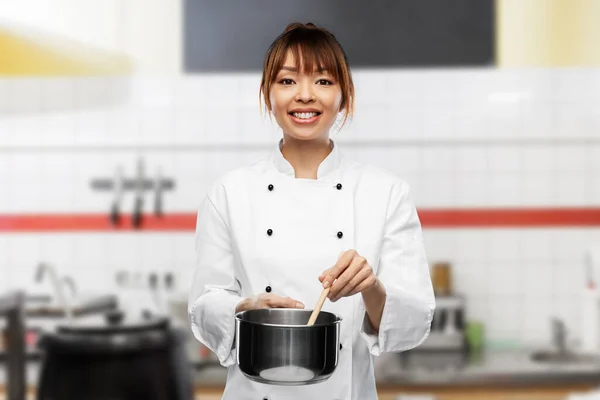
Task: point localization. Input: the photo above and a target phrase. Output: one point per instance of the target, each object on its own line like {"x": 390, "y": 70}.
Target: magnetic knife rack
{"x": 139, "y": 185}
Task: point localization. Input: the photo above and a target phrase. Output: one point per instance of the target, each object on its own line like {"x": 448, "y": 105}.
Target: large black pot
{"x": 118, "y": 360}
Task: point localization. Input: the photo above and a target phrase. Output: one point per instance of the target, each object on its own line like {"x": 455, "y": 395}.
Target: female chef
{"x": 276, "y": 232}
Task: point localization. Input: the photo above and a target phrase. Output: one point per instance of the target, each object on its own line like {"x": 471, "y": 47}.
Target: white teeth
{"x": 305, "y": 115}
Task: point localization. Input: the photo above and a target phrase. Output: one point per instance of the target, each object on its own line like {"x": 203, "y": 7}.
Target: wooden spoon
{"x": 315, "y": 313}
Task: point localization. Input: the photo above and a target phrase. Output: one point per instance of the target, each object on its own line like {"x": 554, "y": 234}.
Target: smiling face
{"x": 306, "y": 82}
{"x": 305, "y": 103}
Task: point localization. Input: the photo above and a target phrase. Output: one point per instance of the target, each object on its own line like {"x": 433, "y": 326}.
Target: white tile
{"x": 156, "y": 126}
{"x": 89, "y": 250}
{"x": 94, "y": 92}
{"x": 472, "y": 246}
{"x": 438, "y": 159}
{"x": 440, "y": 86}
{"x": 5, "y": 130}
{"x": 504, "y": 121}
{"x": 471, "y": 189}
{"x": 57, "y": 250}
{"x": 593, "y": 189}
{"x": 222, "y": 126}
{"x": 505, "y": 319}
{"x": 472, "y": 120}
{"x": 401, "y": 122}
{"x": 478, "y": 308}
{"x": 536, "y": 328}
{"x": 371, "y": 123}
{"x": 371, "y": 89}
{"x": 569, "y": 277}
{"x": 190, "y": 92}
{"x": 25, "y": 166}
{"x": 252, "y": 128}
{"x": 504, "y": 279}
{"x": 541, "y": 158}
{"x": 439, "y": 121}
{"x": 572, "y": 189}
{"x": 5, "y": 182}
{"x": 249, "y": 87}
{"x": 57, "y": 95}
{"x": 223, "y": 91}
{"x": 539, "y": 189}
{"x": 26, "y": 131}
{"x": 538, "y": 245}
{"x": 440, "y": 244}
{"x": 472, "y": 278}
{"x": 405, "y": 87}
{"x": 568, "y": 309}
{"x": 152, "y": 92}
{"x": 537, "y": 278}
{"x": 4, "y": 97}
{"x": 572, "y": 84}
{"x": 505, "y": 158}
{"x": 122, "y": 126}
{"x": 472, "y": 158}
{"x": 58, "y": 129}
{"x": 90, "y": 127}
{"x": 438, "y": 190}
{"x": 536, "y": 120}
{"x": 23, "y": 250}
{"x": 505, "y": 189}
{"x": 571, "y": 158}
{"x": 571, "y": 244}
{"x": 593, "y": 159}
{"x": 576, "y": 120}
{"x": 25, "y": 95}
{"x": 505, "y": 245}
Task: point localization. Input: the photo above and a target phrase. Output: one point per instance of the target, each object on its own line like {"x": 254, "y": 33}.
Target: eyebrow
{"x": 294, "y": 69}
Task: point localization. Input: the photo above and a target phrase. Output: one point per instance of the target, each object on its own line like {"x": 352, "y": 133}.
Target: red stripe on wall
{"x": 430, "y": 218}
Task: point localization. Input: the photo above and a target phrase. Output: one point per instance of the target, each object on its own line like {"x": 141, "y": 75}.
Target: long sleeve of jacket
{"x": 215, "y": 291}
{"x": 404, "y": 272}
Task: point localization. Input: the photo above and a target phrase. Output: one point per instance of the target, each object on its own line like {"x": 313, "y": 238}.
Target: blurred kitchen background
{"x": 115, "y": 115}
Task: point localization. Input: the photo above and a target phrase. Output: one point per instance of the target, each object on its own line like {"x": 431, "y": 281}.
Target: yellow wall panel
{"x": 20, "y": 55}
{"x": 548, "y": 33}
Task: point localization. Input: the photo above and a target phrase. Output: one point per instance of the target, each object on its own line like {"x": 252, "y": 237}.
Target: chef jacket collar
{"x": 328, "y": 166}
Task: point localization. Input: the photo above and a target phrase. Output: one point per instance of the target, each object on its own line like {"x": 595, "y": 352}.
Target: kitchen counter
{"x": 495, "y": 368}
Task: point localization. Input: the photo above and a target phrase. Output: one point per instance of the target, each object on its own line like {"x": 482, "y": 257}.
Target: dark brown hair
{"x": 312, "y": 47}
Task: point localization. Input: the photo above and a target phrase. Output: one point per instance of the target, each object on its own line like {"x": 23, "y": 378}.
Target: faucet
{"x": 559, "y": 335}
{"x": 71, "y": 283}
{"x": 43, "y": 269}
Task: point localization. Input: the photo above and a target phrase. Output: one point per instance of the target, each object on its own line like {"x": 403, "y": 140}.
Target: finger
{"x": 339, "y": 267}
{"x": 284, "y": 302}
{"x": 360, "y": 276}
{"x": 355, "y": 266}
{"x": 327, "y": 272}
{"x": 368, "y": 283}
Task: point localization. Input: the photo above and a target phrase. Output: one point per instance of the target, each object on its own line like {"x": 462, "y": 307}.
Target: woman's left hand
{"x": 350, "y": 275}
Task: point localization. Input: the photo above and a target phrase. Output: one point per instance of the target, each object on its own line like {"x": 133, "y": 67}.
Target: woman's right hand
{"x": 267, "y": 300}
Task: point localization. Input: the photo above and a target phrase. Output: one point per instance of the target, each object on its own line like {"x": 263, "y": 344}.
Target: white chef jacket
{"x": 311, "y": 221}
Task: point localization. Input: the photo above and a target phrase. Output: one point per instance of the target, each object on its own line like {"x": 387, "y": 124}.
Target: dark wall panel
{"x": 226, "y": 35}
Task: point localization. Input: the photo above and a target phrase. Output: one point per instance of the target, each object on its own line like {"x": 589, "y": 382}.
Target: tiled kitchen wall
{"x": 461, "y": 138}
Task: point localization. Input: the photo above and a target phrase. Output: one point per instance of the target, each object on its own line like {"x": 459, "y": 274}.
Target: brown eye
{"x": 325, "y": 82}
{"x": 286, "y": 81}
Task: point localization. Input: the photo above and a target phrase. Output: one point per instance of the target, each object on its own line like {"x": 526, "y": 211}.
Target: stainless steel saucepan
{"x": 278, "y": 346}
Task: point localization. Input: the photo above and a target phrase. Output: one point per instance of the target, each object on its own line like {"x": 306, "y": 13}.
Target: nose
{"x": 305, "y": 93}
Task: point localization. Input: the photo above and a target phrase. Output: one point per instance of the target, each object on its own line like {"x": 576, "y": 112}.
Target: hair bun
{"x": 298, "y": 25}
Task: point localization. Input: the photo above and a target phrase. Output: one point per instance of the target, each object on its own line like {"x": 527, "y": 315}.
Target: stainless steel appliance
{"x": 11, "y": 307}
{"x": 117, "y": 359}
{"x": 275, "y": 346}
{"x": 446, "y": 345}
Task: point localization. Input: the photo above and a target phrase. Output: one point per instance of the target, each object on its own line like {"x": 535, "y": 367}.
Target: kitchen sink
{"x": 564, "y": 357}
